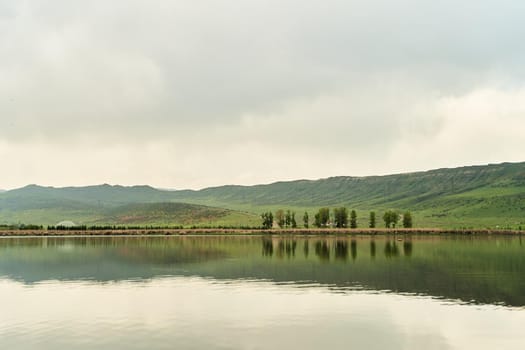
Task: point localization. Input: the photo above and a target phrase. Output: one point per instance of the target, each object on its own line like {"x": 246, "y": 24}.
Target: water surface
{"x": 262, "y": 292}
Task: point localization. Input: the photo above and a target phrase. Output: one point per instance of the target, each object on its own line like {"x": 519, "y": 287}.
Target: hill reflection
{"x": 479, "y": 270}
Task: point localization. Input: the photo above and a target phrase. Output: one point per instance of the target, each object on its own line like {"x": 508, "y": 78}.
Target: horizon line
{"x": 163, "y": 188}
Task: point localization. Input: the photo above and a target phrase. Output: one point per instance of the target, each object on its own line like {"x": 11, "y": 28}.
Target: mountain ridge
{"x": 480, "y": 194}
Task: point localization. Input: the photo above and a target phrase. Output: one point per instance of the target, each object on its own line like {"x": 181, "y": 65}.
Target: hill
{"x": 165, "y": 214}
{"x": 34, "y": 196}
{"x": 473, "y": 196}
{"x": 132, "y": 214}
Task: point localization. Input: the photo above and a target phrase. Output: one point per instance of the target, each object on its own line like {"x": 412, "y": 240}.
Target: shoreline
{"x": 249, "y": 232}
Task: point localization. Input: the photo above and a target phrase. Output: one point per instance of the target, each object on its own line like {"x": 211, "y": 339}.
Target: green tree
{"x": 322, "y": 217}
{"x": 267, "y": 220}
{"x": 292, "y": 221}
{"x": 325, "y": 216}
{"x": 341, "y": 217}
{"x": 287, "y": 219}
{"x": 317, "y": 220}
{"x": 372, "y": 222}
{"x": 353, "y": 219}
{"x": 407, "y": 220}
{"x": 279, "y": 217}
{"x": 390, "y": 218}
{"x": 394, "y": 218}
{"x": 305, "y": 219}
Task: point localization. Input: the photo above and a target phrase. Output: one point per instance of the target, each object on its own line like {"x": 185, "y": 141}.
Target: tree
{"x": 292, "y": 221}
{"x": 317, "y": 220}
{"x": 372, "y": 223}
{"x": 353, "y": 219}
{"x": 325, "y": 216}
{"x": 387, "y": 218}
{"x": 279, "y": 217}
{"x": 305, "y": 219}
{"x": 322, "y": 217}
{"x": 407, "y": 220}
{"x": 391, "y": 218}
{"x": 394, "y": 218}
{"x": 267, "y": 220}
{"x": 341, "y": 217}
{"x": 288, "y": 219}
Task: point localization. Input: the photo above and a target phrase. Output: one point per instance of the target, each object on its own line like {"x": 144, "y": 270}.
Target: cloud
{"x": 478, "y": 127}
{"x": 271, "y": 89}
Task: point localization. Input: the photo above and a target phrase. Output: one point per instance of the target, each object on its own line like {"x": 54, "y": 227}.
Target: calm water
{"x": 262, "y": 293}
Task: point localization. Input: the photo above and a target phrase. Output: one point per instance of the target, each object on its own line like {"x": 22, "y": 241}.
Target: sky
{"x": 191, "y": 94}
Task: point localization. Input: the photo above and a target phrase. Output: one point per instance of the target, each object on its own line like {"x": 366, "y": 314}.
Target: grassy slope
{"x": 479, "y": 196}
{"x": 157, "y": 214}
{"x": 177, "y": 214}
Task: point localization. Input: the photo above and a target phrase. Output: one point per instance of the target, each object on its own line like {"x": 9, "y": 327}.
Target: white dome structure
{"x": 66, "y": 223}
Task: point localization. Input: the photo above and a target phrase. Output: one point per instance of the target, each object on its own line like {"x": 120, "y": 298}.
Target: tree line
{"x": 21, "y": 227}
{"x": 337, "y": 217}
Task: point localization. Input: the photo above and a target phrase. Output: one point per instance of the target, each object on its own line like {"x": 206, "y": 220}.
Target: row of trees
{"x": 339, "y": 219}
{"x": 21, "y": 227}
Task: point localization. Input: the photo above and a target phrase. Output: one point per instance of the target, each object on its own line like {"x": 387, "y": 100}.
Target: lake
{"x": 262, "y": 292}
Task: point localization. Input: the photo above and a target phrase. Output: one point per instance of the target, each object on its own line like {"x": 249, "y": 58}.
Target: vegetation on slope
{"x": 154, "y": 214}
{"x": 476, "y": 196}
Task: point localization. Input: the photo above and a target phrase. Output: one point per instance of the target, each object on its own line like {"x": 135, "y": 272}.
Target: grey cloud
{"x": 304, "y": 75}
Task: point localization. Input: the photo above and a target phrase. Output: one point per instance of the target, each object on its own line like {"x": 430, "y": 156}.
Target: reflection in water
{"x": 471, "y": 269}
{"x": 407, "y": 247}
{"x": 286, "y": 247}
{"x": 290, "y": 247}
{"x": 306, "y": 248}
{"x": 322, "y": 250}
{"x": 341, "y": 250}
{"x": 202, "y": 313}
{"x": 267, "y": 247}
{"x": 391, "y": 249}
{"x": 353, "y": 249}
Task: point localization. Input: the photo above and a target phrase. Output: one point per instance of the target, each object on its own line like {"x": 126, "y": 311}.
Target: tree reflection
{"x": 286, "y": 247}
{"x": 322, "y": 250}
{"x": 407, "y": 248}
{"x": 290, "y": 247}
{"x": 391, "y": 249}
{"x": 353, "y": 249}
{"x": 306, "y": 249}
{"x": 280, "y": 249}
{"x": 373, "y": 249}
{"x": 267, "y": 247}
{"x": 341, "y": 250}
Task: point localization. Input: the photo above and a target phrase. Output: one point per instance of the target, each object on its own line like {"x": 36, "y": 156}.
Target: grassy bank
{"x": 214, "y": 231}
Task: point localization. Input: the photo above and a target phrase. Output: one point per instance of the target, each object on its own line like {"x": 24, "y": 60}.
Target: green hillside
{"x": 413, "y": 189}
{"x": 165, "y": 214}
{"x": 474, "y": 196}
{"x": 34, "y": 196}
{"x": 151, "y": 214}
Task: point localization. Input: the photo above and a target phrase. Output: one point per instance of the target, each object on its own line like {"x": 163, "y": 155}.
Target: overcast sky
{"x": 190, "y": 94}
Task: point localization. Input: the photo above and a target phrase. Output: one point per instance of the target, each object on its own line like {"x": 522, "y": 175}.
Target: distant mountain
{"x": 34, "y": 196}
{"x": 471, "y": 196}
{"x": 411, "y": 190}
